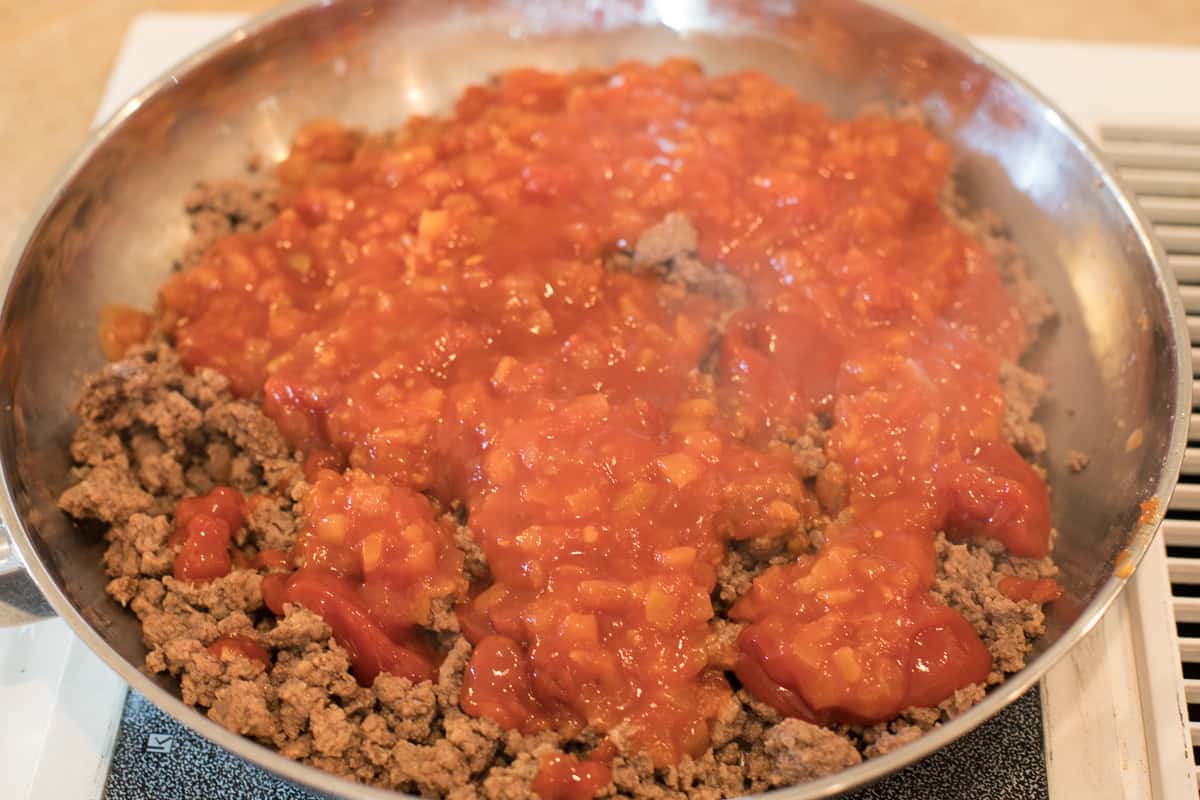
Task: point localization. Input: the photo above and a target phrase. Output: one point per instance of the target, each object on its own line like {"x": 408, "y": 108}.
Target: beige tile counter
{"x": 55, "y": 56}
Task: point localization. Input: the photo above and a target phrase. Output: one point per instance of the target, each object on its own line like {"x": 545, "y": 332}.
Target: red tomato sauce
{"x": 204, "y": 528}
{"x": 228, "y": 646}
{"x": 374, "y": 561}
{"x": 430, "y": 313}
{"x": 564, "y": 777}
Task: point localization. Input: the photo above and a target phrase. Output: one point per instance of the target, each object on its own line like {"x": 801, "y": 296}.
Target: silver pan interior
{"x": 1117, "y": 357}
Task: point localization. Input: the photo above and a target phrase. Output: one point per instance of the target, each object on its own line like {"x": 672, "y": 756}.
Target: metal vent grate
{"x": 1162, "y": 167}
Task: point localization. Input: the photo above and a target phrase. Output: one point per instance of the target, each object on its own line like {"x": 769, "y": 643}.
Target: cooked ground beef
{"x": 1023, "y": 392}
{"x": 230, "y": 206}
{"x": 151, "y": 433}
{"x": 668, "y": 250}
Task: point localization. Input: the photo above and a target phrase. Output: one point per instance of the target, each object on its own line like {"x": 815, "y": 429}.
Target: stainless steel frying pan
{"x": 1117, "y": 360}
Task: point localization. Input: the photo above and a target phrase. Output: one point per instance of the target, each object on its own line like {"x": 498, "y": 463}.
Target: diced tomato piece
{"x": 228, "y": 646}
{"x": 222, "y": 503}
{"x": 995, "y": 493}
{"x": 205, "y": 553}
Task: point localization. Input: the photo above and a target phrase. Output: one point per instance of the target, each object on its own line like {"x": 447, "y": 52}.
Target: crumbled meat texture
{"x": 442, "y": 617}
{"x": 240, "y": 590}
{"x": 808, "y": 447}
{"x": 889, "y": 740}
{"x": 474, "y": 565}
{"x": 255, "y": 435}
{"x": 721, "y": 645}
{"x": 107, "y": 492}
{"x": 800, "y": 751}
{"x": 243, "y": 707}
{"x": 1032, "y": 302}
{"x": 139, "y": 547}
{"x": 408, "y": 709}
{"x": 1077, "y": 461}
{"x": 272, "y": 523}
{"x": 218, "y": 209}
{"x": 515, "y": 781}
{"x": 152, "y": 433}
{"x": 1023, "y": 392}
{"x": 450, "y": 673}
{"x": 701, "y": 278}
{"x": 967, "y": 579}
{"x": 298, "y": 627}
{"x": 668, "y": 239}
{"x": 754, "y": 749}
{"x": 734, "y": 577}
{"x": 667, "y": 250}
{"x": 888, "y": 736}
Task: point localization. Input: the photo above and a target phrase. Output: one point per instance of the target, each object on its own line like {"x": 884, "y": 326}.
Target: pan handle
{"x": 20, "y": 601}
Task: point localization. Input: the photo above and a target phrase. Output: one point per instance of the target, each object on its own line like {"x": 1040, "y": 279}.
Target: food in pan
{"x": 623, "y": 432}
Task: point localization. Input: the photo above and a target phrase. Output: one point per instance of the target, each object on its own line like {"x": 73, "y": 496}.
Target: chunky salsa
{"x": 434, "y": 315}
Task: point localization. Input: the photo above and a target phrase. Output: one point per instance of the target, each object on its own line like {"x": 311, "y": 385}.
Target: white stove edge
{"x": 1114, "y": 707}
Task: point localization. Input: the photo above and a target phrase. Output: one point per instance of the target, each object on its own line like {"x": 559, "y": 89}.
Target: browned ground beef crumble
{"x": 1077, "y": 461}
{"x": 152, "y": 433}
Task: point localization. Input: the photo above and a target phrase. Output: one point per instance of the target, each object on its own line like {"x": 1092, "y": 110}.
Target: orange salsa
{"x": 430, "y": 316}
